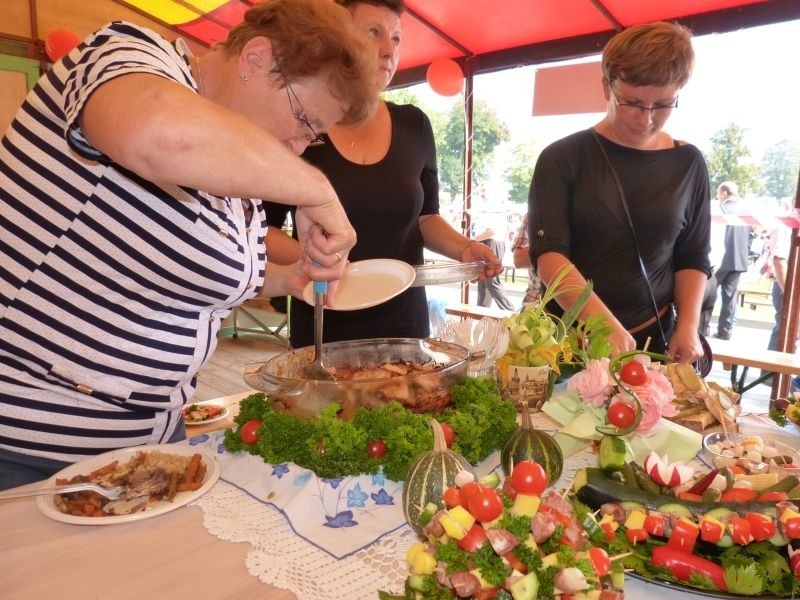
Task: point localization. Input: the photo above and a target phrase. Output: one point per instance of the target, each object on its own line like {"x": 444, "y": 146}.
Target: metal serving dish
{"x": 438, "y": 274}
{"x": 282, "y": 377}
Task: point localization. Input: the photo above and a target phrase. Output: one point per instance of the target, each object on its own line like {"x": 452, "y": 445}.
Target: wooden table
{"x": 732, "y": 356}
{"x": 170, "y": 556}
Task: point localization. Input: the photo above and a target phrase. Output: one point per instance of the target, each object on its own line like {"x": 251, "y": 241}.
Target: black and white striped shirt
{"x": 112, "y": 288}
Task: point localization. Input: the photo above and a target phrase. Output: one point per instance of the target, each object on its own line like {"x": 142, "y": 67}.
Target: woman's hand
{"x": 620, "y": 340}
{"x": 684, "y": 346}
{"x": 476, "y": 251}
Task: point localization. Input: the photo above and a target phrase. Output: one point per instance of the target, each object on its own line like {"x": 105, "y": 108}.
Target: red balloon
{"x": 445, "y": 77}
{"x": 59, "y": 43}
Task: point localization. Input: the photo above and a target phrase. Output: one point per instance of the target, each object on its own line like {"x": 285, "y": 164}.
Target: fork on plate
{"x": 112, "y": 493}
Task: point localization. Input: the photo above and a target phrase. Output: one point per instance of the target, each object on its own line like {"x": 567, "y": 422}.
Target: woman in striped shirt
{"x": 126, "y": 235}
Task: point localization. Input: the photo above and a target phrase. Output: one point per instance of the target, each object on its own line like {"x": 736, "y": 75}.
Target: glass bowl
{"x": 443, "y": 365}
{"x": 728, "y": 449}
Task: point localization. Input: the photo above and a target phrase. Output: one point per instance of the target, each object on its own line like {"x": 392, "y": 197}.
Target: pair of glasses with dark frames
{"x": 656, "y": 108}
{"x": 300, "y": 114}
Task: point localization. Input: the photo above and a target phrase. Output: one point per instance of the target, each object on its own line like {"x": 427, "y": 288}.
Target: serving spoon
{"x": 315, "y": 369}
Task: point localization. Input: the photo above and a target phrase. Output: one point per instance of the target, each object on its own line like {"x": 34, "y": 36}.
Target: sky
{"x": 750, "y": 77}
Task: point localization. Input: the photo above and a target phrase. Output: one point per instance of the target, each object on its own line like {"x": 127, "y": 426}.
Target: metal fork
{"x": 111, "y": 493}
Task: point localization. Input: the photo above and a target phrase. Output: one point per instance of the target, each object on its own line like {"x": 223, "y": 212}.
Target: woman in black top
{"x": 384, "y": 172}
{"x": 577, "y": 216}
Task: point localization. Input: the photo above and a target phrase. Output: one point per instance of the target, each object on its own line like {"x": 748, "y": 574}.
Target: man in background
{"x": 734, "y": 260}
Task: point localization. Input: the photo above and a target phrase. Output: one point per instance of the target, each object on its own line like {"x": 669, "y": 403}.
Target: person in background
{"x": 126, "y": 239}
{"x": 522, "y": 259}
{"x": 734, "y": 260}
{"x": 577, "y": 216}
{"x": 491, "y": 287}
{"x": 384, "y": 170}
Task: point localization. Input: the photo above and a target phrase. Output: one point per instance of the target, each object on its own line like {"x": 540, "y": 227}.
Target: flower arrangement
{"x": 538, "y": 338}
{"x": 633, "y": 395}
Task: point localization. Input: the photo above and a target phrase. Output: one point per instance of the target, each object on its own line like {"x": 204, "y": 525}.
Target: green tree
{"x": 488, "y": 133}
{"x": 780, "y": 168}
{"x": 727, "y": 161}
{"x": 400, "y": 96}
{"x": 519, "y": 173}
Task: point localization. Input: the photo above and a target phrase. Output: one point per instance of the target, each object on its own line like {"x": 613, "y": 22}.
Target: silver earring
{"x": 243, "y": 78}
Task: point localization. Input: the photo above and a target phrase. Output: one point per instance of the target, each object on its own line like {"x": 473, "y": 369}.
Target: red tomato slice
{"x": 792, "y": 527}
{"x": 515, "y": 562}
{"x": 654, "y": 525}
{"x": 684, "y": 535}
{"x": 773, "y": 497}
{"x": 474, "y": 539}
{"x": 762, "y": 527}
{"x": 711, "y": 532}
{"x": 738, "y": 494}
{"x": 601, "y": 562}
{"x": 740, "y": 531}
{"x": 636, "y": 535}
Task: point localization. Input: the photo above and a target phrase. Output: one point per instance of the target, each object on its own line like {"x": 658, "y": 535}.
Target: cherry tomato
{"x": 474, "y": 539}
{"x": 636, "y": 535}
{"x": 376, "y": 449}
{"x": 486, "y": 505}
{"x": 467, "y": 491}
{"x": 633, "y": 373}
{"x": 621, "y": 415}
{"x": 249, "y": 431}
{"x": 451, "y": 497}
{"x": 449, "y": 434}
{"x": 529, "y": 477}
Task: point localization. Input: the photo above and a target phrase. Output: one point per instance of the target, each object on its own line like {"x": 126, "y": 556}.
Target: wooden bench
{"x": 762, "y": 297}
{"x": 472, "y": 311}
{"x": 732, "y": 356}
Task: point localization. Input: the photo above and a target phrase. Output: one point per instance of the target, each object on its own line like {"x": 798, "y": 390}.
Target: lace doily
{"x": 282, "y": 559}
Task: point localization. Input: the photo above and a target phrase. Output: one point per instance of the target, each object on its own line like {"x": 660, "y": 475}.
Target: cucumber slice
{"x": 492, "y": 480}
{"x": 612, "y": 453}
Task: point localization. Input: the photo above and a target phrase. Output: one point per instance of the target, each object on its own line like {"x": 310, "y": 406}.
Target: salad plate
{"x": 47, "y": 506}
{"x": 202, "y": 413}
{"x": 368, "y": 283}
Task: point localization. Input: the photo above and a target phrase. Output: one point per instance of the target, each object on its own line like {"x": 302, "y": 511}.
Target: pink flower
{"x": 593, "y": 384}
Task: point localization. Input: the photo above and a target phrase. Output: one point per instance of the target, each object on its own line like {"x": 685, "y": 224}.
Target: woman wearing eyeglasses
{"x": 627, "y": 205}
{"x": 384, "y": 171}
{"x": 125, "y": 239}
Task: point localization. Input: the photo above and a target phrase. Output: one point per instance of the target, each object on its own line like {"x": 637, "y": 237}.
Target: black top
{"x": 383, "y": 202}
{"x": 575, "y": 209}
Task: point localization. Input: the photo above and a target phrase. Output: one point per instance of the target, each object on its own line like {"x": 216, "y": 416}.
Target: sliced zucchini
{"x": 611, "y": 454}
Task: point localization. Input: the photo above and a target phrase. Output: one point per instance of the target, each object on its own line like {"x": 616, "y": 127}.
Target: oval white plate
{"x": 219, "y": 417}
{"x": 367, "y": 283}
{"x": 47, "y": 506}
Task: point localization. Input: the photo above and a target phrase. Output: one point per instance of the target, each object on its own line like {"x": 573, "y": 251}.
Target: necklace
{"x": 198, "y": 74}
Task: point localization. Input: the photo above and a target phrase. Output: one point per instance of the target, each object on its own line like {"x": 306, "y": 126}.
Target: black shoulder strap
{"x": 642, "y": 266}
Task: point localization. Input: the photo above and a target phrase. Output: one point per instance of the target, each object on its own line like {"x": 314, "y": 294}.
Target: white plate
{"x": 367, "y": 283}
{"x": 46, "y": 504}
{"x": 219, "y": 417}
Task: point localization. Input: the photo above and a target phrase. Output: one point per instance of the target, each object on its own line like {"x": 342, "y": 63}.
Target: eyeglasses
{"x": 300, "y": 114}
{"x": 639, "y": 108}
